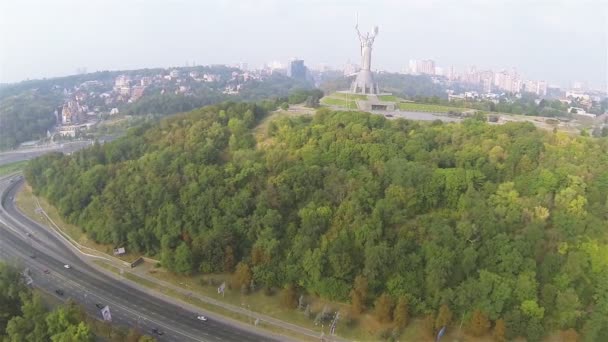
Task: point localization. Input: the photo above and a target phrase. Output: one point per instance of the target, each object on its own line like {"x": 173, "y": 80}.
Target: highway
{"x": 28, "y": 245}
{"x": 29, "y": 153}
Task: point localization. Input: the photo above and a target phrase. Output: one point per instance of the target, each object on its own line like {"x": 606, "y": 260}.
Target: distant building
{"x": 137, "y": 92}
{"x": 71, "y": 113}
{"x": 122, "y": 81}
{"x": 174, "y": 73}
{"x": 452, "y": 76}
{"x": 508, "y": 81}
{"x": 424, "y": 67}
{"x": 350, "y": 69}
{"x": 537, "y": 87}
{"x": 125, "y": 91}
{"x": 297, "y": 69}
{"x": 145, "y": 81}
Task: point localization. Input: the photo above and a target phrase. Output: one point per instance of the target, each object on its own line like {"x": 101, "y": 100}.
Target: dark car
{"x": 59, "y": 292}
{"x": 158, "y": 332}
{"x": 99, "y": 306}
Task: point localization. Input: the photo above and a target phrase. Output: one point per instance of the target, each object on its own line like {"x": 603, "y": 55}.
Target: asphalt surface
{"x": 29, "y": 153}
{"x": 28, "y": 245}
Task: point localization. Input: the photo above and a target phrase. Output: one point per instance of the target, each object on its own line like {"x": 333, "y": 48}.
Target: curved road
{"x": 31, "y": 246}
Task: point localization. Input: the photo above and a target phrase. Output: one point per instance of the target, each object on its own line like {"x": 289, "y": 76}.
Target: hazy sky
{"x": 556, "y": 40}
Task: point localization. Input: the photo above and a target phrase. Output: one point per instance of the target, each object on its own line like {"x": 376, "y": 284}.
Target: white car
{"x": 66, "y": 266}
{"x": 201, "y": 318}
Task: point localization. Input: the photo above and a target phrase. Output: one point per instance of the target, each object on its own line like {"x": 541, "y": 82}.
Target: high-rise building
{"x": 537, "y": 87}
{"x": 297, "y": 69}
{"x": 425, "y": 66}
{"x": 452, "y": 76}
{"x": 413, "y": 66}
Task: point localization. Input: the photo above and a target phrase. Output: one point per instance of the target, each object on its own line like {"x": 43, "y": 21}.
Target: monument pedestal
{"x": 364, "y": 83}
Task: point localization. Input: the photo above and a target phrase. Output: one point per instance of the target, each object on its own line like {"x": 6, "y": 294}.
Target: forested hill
{"x": 504, "y": 222}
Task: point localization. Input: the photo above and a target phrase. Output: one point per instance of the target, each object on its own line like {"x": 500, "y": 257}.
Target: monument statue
{"x": 366, "y": 47}
{"x": 364, "y": 83}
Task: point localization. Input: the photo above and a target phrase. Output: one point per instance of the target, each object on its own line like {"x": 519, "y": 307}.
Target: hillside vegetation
{"x": 26, "y": 116}
{"x": 503, "y": 226}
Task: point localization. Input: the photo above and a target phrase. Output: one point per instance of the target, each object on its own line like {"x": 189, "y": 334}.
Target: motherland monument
{"x": 364, "y": 83}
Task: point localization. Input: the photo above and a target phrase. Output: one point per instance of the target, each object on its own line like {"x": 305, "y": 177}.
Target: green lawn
{"x": 422, "y": 107}
{"x": 332, "y": 101}
{"x": 349, "y": 96}
{"x": 12, "y": 167}
{"x": 391, "y": 98}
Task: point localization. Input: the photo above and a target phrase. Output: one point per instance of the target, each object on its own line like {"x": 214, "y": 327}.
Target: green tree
{"x": 183, "y": 259}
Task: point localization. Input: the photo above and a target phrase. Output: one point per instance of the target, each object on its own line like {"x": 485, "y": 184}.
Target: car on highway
{"x": 157, "y": 331}
{"x": 46, "y": 271}
{"x": 28, "y": 234}
{"x": 67, "y": 266}
{"x": 99, "y": 305}
{"x": 33, "y": 256}
{"x": 59, "y": 292}
{"x": 201, "y": 318}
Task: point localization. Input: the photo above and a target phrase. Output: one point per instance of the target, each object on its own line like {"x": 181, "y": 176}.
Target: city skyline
{"x": 561, "y": 43}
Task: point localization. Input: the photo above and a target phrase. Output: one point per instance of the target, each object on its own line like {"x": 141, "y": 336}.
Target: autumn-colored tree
{"x": 478, "y": 323}
{"x": 289, "y": 297}
{"x": 383, "y": 308}
{"x": 428, "y": 324}
{"x": 358, "y": 294}
{"x": 241, "y": 276}
{"x": 569, "y": 335}
{"x": 500, "y": 331}
{"x": 228, "y": 259}
{"x": 133, "y": 335}
{"x": 258, "y": 256}
{"x": 444, "y": 317}
{"x": 401, "y": 314}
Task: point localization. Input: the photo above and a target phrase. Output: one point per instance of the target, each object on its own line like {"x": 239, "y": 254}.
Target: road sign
{"x": 221, "y": 289}
{"x": 105, "y": 313}
{"x": 440, "y": 333}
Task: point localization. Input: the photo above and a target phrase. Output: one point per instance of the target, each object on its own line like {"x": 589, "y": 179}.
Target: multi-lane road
{"x": 29, "y": 153}
{"x": 27, "y": 244}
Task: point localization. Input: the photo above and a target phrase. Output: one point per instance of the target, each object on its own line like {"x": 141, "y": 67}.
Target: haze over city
{"x": 557, "y": 41}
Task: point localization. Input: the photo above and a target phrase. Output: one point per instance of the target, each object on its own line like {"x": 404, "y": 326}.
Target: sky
{"x": 559, "y": 41}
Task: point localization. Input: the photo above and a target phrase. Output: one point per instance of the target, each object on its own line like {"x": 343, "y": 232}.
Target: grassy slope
{"x": 423, "y": 107}
{"x": 12, "y": 167}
